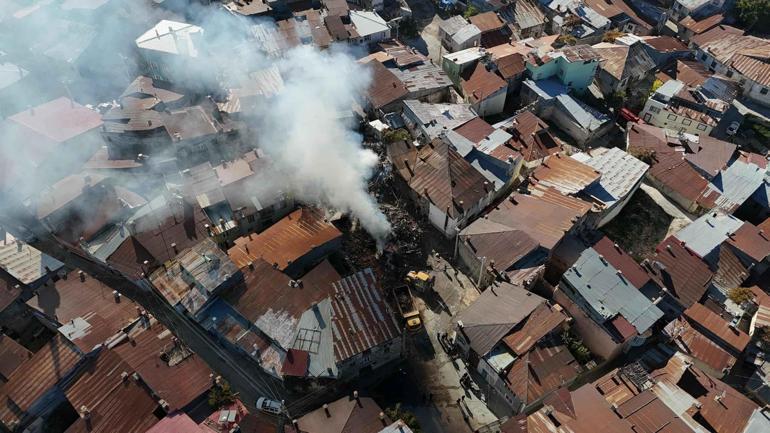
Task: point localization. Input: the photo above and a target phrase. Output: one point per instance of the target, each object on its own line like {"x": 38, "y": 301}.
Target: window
{"x": 763, "y": 91}
{"x": 729, "y": 73}
{"x": 250, "y": 218}
{"x": 647, "y": 117}
{"x": 671, "y": 117}
{"x": 704, "y": 57}
{"x": 655, "y": 110}
{"x": 713, "y": 63}
{"x": 686, "y": 122}
{"x": 701, "y": 127}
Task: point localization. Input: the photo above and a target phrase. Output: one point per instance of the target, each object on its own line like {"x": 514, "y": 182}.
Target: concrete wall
{"x": 596, "y": 338}
{"x": 491, "y": 105}
{"x": 374, "y": 358}
{"x": 655, "y": 113}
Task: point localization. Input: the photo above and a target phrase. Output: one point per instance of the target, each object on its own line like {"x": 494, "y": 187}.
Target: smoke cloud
{"x": 305, "y": 129}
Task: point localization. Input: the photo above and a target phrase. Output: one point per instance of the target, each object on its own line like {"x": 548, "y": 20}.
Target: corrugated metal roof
{"x": 487, "y": 21}
{"x": 482, "y": 84}
{"x": 178, "y": 422}
{"x": 501, "y": 245}
{"x": 680, "y": 271}
{"x": 127, "y": 407}
{"x": 361, "y": 317}
{"x": 620, "y": 173}
{"x": 452, "y": 24}
{"x": 697, "y": 345}
{"x": 701, "y": 317}
{"x": 609, "y": 293}
{"x": 80, "y": 296}
{"x": 736, "y": 184}
{"x": 58, "y": 120}
{"x": 621, "y": 261}
{"x": 286, "y": 241}
{"x": 531, "y": 138}
{"x": 495, "y": 313}
{"x": 712, "y": 155}
{"x": 671, "y": 170}
{"x": 540, "y": 371}
{"x": 587, "y": 117}
{"x": 101, "y": 372}
{"x": 24, "y": 262}
{"x": 346, "y": 415}
{"x": 545, "y": 218}
{"x": 385, "y": 87}
{"x": 567, "y": 175}
{"x": 752, "y": 241}
{"x": 544, "y": 319}
{"x": 172, "y": 37}
{"x": 12, "y": 355}
{"x": 703, "y": 25}
{"x": 194, "y": 275}
{"x": 143, "y": 354}
{"x": 49, "y": 366}
{"x": 730, "y": 272}
{"x": 704, "y": 235}
{"x": 584, "y": 411}
{"x": 441, "y": 175}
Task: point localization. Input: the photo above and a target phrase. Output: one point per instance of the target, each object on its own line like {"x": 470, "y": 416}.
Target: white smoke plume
{"x": 304, "y": 131}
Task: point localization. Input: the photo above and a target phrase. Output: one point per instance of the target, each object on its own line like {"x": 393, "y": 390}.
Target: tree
{"x": 470, "y": 11}
{"x": 739, "y": 295}
{"x": 407, "y": 29}
{"x": 566, "y": 40}
{"x": 221, "y": 395}
{"x": 576, "y": 347}
{"x": 616, "y": 99}
{"x": 394, "y": 135}
{"x": 655, "y": 86}
{"x": 611, "y": 35}
{"x": 397, "y": 413}
{"x": 754, "y": 13}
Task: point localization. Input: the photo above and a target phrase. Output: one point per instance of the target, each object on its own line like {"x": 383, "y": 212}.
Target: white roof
{"x": 620, "y": 173}
{"x": 368, "y": 22}
{"x": 10, "y": 73}
{"x": 706, "y": 233}
{"x": 466, "y": 56}
{"x": 171, "y": 37}
{"x": 466, "y": 33}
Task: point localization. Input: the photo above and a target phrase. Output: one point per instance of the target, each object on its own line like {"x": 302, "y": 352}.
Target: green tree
{"x": 576, "y": 347}
{"x": 396, "y": 413}
{"x": 754, "y": 13}
{"x": 655, "y": 86}
{"x": 470, "y": 11}
{"x": 616, "y": 99}
{"x": 394, "y": 135}
{"x": 740, "y": 295}
{"x": 221, "y": 395}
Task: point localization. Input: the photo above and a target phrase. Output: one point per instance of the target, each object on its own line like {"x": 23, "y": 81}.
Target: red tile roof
{"x": 684, "y": 275}
{"x": 286, "y": 241}
{"x": 621, "y": 261}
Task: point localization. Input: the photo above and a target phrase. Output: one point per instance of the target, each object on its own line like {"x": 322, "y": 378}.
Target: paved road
{"x": 243, "y": 374}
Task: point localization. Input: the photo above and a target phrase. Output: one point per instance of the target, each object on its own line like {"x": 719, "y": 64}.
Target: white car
{"x": 269, "y": 406}
{"x": 733, "y": 128}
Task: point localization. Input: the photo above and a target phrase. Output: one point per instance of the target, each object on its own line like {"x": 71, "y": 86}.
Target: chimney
{"x": 355, "y": 396}
{"x": 82, "y": 276}
{"x": 326, "y": 410}
{"x": 116, "y": 295}
{"x": 173, "y": 246}
{"x": 512, "y": 199}
{"x": 382, "y": 417}
{"x": 85, "y": 413}
{"x": 763, "y": 235}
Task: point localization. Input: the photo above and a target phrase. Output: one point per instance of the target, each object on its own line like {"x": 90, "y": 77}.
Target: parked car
{"x": 269, "y": 406}
{"x": 733, "y": 128}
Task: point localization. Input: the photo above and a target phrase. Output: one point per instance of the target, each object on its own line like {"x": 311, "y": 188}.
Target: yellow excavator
{"x": 419, "y": 280}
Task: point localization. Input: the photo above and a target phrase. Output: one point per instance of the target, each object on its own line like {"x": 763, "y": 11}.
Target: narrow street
{"x": 430, "y": 387}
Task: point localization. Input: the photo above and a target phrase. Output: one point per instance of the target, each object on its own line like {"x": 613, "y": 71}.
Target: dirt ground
{"x": 640, "y": 226}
